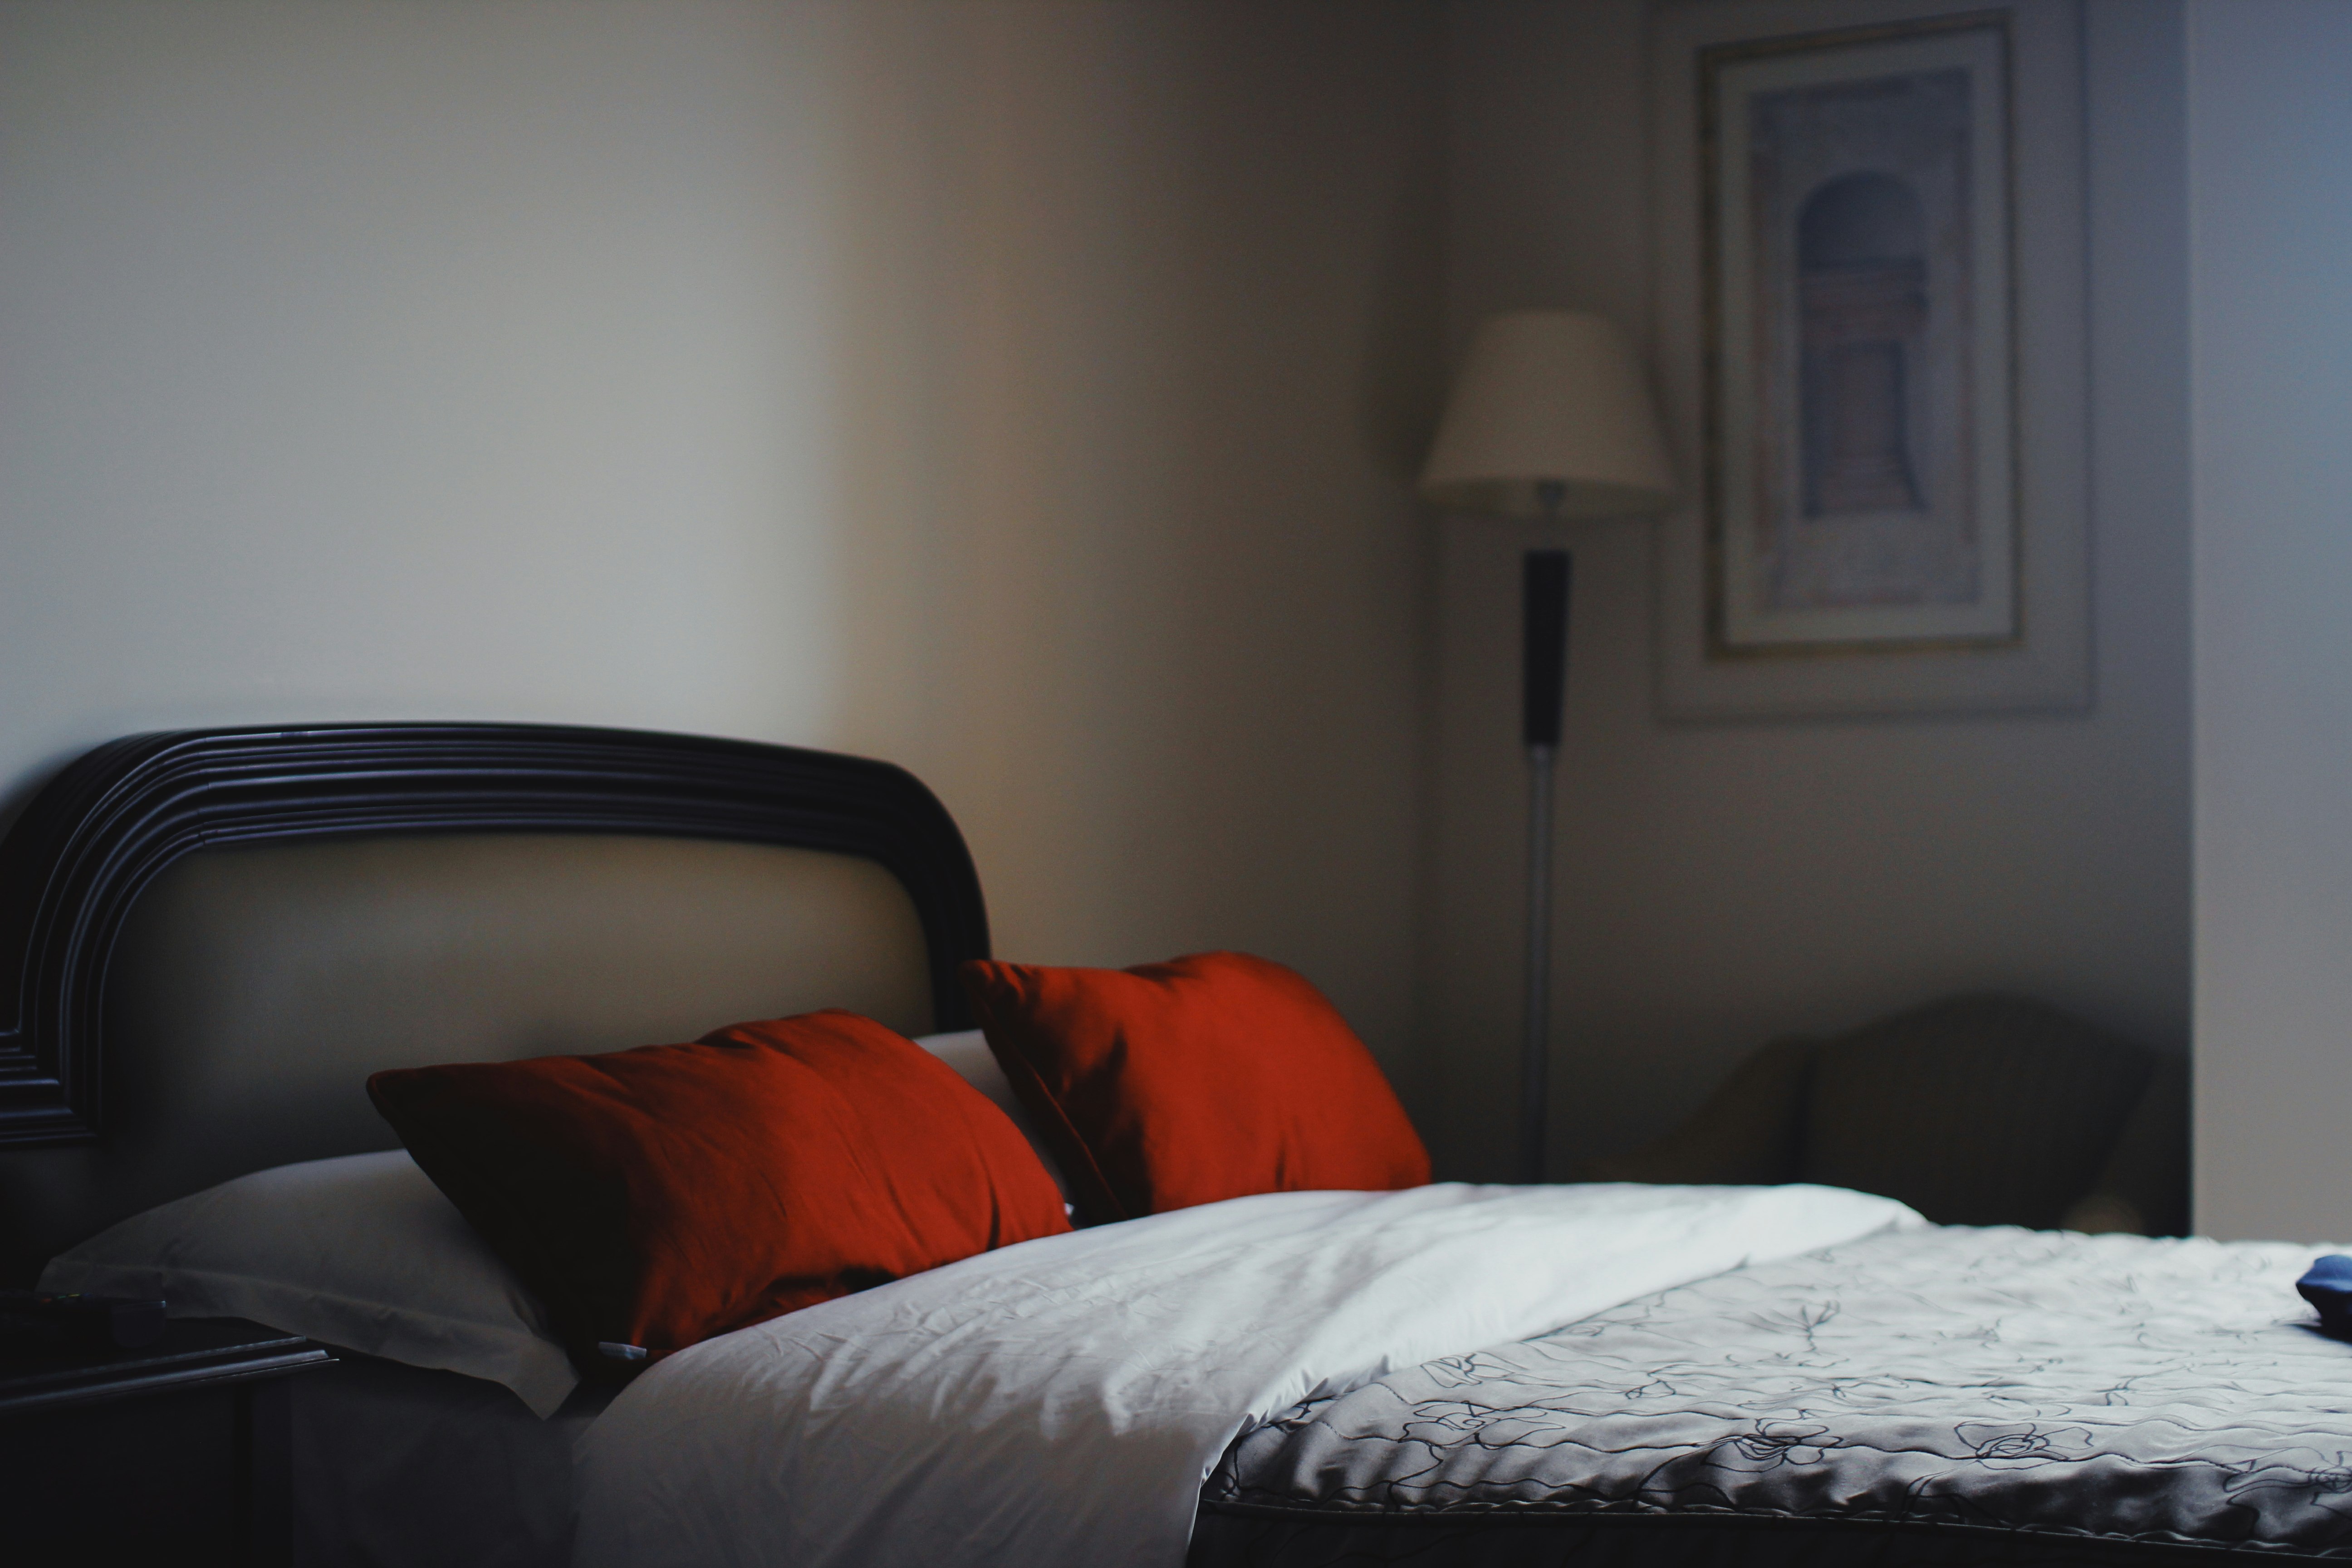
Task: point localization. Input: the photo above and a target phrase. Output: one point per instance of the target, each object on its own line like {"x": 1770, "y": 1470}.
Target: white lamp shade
{"x": 1549, "y": 396}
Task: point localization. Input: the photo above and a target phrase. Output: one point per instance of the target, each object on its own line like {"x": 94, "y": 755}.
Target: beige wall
{"x": 1720, "y": 884}
{"x": 1027, "y": 392}
{"x": 2270, "y": 141}
{"x": 1022, "y": 391}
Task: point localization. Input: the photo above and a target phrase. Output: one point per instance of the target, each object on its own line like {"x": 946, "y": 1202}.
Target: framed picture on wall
{"x": 1871, "y": 248}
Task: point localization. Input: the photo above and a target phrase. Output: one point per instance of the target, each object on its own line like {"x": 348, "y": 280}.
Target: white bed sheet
{"x": 1060, "y": 1401}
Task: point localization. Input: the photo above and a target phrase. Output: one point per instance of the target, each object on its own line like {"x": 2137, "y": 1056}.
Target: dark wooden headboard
{"x": 105, "y": 830}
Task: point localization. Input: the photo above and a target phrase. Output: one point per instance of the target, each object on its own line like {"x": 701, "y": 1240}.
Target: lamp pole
{"x": 1545, "y": 581}
{"x": 1550, "y": 406}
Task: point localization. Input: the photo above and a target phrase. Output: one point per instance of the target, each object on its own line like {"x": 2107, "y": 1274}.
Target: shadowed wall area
{"x": 1720, "y": 884}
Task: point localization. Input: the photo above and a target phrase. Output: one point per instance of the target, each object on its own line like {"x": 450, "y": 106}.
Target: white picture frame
{"x": 1872, "y": 343}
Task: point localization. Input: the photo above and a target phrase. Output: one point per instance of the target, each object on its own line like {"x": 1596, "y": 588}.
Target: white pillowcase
{"x": 362, "y": 1252}
{"x": 365, "y": 1252}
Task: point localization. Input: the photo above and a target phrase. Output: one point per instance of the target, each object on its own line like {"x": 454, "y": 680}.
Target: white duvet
{"x": 1059, "y": 1403}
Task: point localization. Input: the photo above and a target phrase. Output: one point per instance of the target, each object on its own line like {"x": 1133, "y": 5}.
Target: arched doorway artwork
{"x": 1871, "y": 303}
{"x": 1864, "y": 441}
{"x": 1862, "y": 273}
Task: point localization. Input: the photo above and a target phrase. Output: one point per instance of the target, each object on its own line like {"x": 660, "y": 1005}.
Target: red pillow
{"x": 658, "y": 1196}
{"x": 1205, "y": 1078}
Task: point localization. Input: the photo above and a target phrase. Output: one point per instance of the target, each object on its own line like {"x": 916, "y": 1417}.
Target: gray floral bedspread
{"x": 1945, "y": 1396}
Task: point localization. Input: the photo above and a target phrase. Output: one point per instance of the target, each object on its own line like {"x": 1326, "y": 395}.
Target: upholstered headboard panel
{"x": 249, "y": 990}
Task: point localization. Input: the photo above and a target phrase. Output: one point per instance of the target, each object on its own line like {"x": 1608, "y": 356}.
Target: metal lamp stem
{"x": 1535, "y": 1050}
{"x": 1544, "y": 629}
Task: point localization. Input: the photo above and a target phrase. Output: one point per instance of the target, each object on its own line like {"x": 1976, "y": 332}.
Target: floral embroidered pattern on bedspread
{"x": 2105, "y": 1389}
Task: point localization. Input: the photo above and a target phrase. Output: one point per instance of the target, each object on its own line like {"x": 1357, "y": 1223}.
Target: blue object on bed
{"x": 2327, "y": 1285}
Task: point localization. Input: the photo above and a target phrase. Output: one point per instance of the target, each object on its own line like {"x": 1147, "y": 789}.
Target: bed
{"x": 222, "y": 931}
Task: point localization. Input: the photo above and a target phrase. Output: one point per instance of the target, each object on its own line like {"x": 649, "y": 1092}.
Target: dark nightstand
{"x": 177, "y": 1453}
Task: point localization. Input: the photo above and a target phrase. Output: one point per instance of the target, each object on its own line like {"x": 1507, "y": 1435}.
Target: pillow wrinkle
{"x": 1054, "y": 1126}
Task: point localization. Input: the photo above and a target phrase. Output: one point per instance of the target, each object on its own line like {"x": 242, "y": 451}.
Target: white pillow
{"x": 365, "y": 1252}
{"x": 361, "y": 1251}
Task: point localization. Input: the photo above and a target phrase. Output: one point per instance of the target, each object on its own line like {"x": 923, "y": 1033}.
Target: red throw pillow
{"x": 658, "y": 1196}
{"x": 1205, "y": 1078}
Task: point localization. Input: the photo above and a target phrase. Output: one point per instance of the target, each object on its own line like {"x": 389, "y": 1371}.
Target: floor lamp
{"x": 1550, "y": 419}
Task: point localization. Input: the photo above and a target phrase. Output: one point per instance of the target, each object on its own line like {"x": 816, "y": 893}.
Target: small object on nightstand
{"x": 34, "y": 1324}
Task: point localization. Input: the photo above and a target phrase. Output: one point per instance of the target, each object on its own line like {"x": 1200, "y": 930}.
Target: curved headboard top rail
{"x": 112, "y": 822}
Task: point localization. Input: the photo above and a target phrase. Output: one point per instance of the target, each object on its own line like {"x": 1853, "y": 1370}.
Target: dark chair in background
{"x": 1977, "y": 1111}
